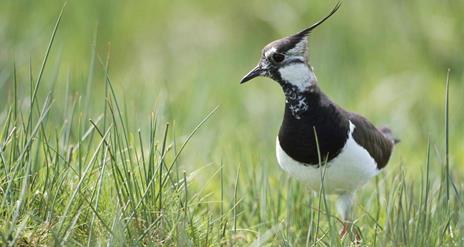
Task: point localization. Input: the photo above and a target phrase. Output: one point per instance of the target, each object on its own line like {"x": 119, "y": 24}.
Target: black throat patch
{"x": 296, "y": 101}
{"x": 297, "y": 133}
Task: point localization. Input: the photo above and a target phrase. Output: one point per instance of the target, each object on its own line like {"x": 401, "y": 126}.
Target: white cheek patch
{"x": 299, "y": 75}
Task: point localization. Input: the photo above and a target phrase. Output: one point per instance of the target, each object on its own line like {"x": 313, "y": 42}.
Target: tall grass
{"x": 99, "y": 181}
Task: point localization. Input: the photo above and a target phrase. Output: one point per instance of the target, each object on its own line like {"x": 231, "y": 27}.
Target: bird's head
{"x": 286, "y": 60}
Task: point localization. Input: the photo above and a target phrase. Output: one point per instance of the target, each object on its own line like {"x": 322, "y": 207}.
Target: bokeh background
{"x": 387, "y": 60}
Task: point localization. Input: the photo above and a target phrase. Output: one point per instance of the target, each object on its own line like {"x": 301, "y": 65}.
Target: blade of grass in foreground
{"x": 447, "y": 174}
{"x": 44, "y": 62}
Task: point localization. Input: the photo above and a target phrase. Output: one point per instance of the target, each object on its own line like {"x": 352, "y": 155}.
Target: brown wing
{"x": 369, "y": 137}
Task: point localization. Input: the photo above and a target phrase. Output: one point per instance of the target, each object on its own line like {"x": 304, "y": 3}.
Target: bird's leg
{"x": 344, "y": 230}
{"x": 347, "y": 228}
{"x": 344, "y": 204}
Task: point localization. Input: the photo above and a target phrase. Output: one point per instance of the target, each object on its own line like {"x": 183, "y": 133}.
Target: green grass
{"x": 91, "y": 153}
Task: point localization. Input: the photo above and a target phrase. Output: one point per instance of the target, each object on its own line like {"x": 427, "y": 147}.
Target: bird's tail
{"x": 389, "y": 135}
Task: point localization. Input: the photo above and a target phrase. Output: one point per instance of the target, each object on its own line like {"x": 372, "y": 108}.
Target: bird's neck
{"x": 300, "y": 103}
{"x": 299, "y": 83}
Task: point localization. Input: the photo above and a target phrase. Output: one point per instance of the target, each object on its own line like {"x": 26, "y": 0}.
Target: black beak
{"x": 257, "y": 71}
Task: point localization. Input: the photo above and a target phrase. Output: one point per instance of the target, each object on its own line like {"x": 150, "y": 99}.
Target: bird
{"x": 319, "y": 142}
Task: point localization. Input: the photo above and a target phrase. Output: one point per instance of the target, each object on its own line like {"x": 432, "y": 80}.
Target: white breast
{"x": 351, "y": 169}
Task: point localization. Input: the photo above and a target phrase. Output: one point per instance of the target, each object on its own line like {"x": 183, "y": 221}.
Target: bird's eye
{"x": 277, "y": 57}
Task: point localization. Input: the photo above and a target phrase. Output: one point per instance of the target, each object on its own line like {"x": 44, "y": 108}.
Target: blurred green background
{"x": 384, "y": 59}
{"x": 387, "y": 60}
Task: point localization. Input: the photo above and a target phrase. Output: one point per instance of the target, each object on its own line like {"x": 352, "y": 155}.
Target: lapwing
{"x": 318, "y": 140}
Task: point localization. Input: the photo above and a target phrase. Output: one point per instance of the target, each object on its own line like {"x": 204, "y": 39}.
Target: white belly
{"x": 351, "y": 169}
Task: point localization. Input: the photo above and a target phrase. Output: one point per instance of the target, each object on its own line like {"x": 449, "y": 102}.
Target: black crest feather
{"x": 312, "y": 27}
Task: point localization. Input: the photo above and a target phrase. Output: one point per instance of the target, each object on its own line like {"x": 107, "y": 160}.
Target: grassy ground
{"x": 124, "y": 124}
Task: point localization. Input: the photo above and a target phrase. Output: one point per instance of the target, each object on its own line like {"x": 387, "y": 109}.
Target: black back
{"x": 372, "y": 139}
